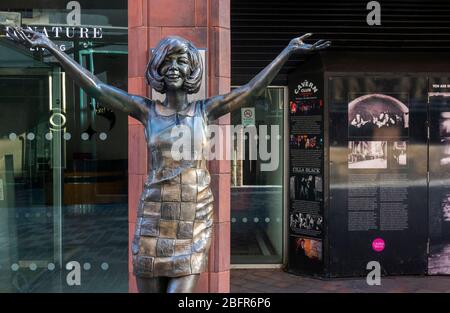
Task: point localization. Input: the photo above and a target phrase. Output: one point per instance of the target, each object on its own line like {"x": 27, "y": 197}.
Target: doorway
{"x": 257, "y": 188}
{"x": 63, "y": 179}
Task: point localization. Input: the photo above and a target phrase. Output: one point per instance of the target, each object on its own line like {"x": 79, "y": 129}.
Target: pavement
{"x": 278, "y": 281}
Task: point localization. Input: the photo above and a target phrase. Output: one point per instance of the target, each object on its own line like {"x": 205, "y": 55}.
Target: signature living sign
{"x": 72, "y": 31}
{"x": 66, "y": 33}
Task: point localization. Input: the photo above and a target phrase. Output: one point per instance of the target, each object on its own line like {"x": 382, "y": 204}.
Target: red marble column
{"x": 207, "y": 24}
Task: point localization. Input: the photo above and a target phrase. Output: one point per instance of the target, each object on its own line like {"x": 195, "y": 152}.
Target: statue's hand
{"x": 297, "y": 44}
{"x": 28, "y": 38}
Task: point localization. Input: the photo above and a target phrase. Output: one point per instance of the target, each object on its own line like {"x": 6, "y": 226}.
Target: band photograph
{"x": 377, "y": 115}
{"x": 303, "y": 221}
{"x": 306, "y": 187}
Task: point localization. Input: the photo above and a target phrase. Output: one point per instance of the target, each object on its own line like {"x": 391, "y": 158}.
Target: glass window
{"x": 63, "y": 156}
{"x": 257, "y": 181}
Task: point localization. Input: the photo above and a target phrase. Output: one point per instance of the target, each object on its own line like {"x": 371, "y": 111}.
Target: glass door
{"x": 95, "y": 201}
{"x": 63, "y": 179}
{"x": 30, "y": 175}
{"x": 63, "y": 156}
{"x": 257, "y": 193}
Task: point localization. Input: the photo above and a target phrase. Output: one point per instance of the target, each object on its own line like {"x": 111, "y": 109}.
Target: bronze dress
{"x": 175, "y": 212}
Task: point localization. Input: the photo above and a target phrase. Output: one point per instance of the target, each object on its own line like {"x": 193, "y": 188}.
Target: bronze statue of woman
{"x": 175, "y": 212}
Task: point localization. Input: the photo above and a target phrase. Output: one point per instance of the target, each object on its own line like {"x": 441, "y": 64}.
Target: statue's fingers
{"x": 17, "y": 33}
{"x": 21, "y": 35}
{"x": 28, "y": 31}
{"x": 9, "y": 32}
{"x": 9, "y": 36}
{"x": 324, "y": 45}
{"x": 26, "y": 37}
{"x": 318, "y": 43}
{"x": 13, "y": 35}
{"x": 22, "y": 32}
{"x": 33, "y": 34}
{"x": 307, "y": 35}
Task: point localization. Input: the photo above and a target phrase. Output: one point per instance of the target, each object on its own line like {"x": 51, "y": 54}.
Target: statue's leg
{"x": 183, "y": 284}
{"x": 152, "y": 285}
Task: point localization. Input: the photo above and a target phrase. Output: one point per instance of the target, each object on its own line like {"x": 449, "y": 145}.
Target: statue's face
{"x": 175, "y": 69}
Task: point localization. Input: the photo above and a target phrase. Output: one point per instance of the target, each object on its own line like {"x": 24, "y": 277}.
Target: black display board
{"x": 306, "y": 174}
{"x": 378, "y": 173}
{"x": 439, "y": 167}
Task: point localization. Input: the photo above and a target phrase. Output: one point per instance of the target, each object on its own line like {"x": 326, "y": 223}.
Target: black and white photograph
{"x": 444, "y": 125}
{"x": 367, "y": 155}
{"x": 377, "y": 115}
{"x": 303, "y": 221}
{"x": 306, "y": 187}
{"x": 399, "y": 154}
{"x": 303, "y": 187}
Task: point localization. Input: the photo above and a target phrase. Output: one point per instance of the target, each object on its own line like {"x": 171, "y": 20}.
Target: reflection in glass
{"x": 63, "y": 158}
{"x": 256, "y": 194}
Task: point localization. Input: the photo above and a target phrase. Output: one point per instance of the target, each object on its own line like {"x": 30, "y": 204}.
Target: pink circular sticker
{"x": 378, "y": 245}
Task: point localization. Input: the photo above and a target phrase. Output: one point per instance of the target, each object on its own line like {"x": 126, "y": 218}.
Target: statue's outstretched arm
{"x": 222, "y": 104}
{"x": 110, "y": 96}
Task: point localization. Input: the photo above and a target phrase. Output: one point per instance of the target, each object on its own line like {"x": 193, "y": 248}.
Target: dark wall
{"x": 260, "y": 29}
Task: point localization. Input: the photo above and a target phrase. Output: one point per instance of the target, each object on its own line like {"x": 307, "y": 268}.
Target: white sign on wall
{"x": 248, "y": 116}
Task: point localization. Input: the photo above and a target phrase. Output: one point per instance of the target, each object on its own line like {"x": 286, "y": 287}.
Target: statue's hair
{"x": 167, "y": 46}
